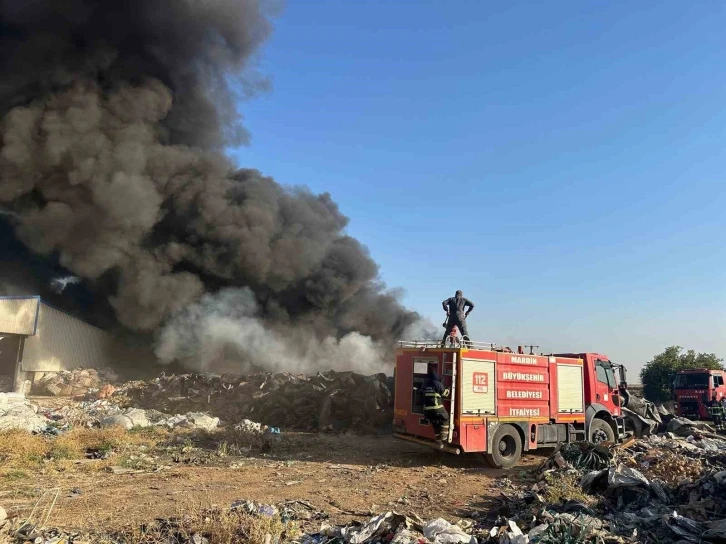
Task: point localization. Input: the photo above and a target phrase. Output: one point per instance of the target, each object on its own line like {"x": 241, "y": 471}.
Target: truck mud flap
{"x": 429, "y": 443}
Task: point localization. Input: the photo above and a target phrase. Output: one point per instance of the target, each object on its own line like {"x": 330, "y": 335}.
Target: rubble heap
{"x": 17, "y": 413}
{"x": 663, "y": 488}
{"x": 72, "y": 383}
{"x": 327, "y": 401}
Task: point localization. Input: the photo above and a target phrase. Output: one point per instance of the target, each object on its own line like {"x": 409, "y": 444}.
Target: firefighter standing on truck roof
{"x": 456, "y": 312}
{"x": 434, "y": 410}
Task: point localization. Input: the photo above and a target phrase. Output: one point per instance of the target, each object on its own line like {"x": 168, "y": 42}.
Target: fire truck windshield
{"x": 691, "y": 381}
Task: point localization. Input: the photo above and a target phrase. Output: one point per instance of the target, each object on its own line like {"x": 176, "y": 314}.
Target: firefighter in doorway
{"x": 434, "y": 410}
{"x": 716, "y": 411}
{"x": 456, "y": 314}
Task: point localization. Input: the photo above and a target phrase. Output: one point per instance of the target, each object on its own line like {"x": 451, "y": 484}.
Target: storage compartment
{"x": 478, "y": 387}
{"x": 569, "y": 389}
{"x": 551, "y": 434}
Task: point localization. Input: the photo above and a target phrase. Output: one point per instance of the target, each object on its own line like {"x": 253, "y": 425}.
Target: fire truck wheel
{"x": 601, "y": 431}
{"x": 506, "y": 448}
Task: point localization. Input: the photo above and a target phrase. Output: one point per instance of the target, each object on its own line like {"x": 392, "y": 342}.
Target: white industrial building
{"x": 36, "y": 338}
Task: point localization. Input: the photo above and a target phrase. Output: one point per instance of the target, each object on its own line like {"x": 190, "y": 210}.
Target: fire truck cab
{"x": 693, "y": 389}
{"x": 504, "y": 403}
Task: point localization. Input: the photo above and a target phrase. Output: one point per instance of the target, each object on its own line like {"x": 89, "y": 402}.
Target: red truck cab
{"x": 694, "y": 389}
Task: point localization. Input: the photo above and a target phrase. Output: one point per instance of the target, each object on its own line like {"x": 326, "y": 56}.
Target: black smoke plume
{"x": 115, "y": 116}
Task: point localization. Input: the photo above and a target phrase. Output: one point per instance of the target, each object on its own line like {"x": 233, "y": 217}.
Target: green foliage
{"x": 657, "y": 374}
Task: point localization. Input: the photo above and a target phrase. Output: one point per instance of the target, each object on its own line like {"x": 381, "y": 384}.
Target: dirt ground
{"x": 348, "y": 477}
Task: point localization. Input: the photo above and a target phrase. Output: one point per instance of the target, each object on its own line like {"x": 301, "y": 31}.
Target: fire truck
{"x": 502, "y": 403}
{"x": 693, "y": 389}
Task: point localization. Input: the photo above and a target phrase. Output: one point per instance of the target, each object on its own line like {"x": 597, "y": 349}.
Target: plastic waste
{"x": 622, "y": 476}
{"x": 685, "y": 528}
{"x": 440, "y": 531}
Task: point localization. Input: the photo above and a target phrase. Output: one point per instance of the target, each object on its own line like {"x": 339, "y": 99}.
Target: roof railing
{"x": 460, "y": 343}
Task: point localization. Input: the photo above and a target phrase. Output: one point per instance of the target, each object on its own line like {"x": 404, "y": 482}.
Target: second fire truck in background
{"x": 694, "y": 389}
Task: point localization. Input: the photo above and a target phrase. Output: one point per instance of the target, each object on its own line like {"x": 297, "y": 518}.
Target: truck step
{"x": 430, "y": 443}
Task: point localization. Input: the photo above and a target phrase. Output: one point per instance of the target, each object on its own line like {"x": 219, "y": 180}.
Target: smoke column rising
{"x": 114, "y": 116}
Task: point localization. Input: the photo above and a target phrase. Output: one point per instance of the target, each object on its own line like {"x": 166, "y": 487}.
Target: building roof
{"x": 19, "y": 314}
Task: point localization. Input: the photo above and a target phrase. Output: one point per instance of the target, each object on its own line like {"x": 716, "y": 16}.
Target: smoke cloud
{"x": 223, "y": 332}
{"x": 114, "y": 117}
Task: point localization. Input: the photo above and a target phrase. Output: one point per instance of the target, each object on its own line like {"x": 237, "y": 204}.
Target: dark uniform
{"x": 716, "y": 411}
{"x": 455, "y": 308}
{"x": 434, "y": 410}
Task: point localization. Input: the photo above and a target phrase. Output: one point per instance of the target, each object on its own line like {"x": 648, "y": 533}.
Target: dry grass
{"x": 564, "y": 487}
{"x": 16, "y": 475}
{"x": 234, "y": 442}
{"x": 218, "y": 526}
{"x": 20, "y": 450}
{"x": 668, "y": 467}
{"x": 78, "y": 441}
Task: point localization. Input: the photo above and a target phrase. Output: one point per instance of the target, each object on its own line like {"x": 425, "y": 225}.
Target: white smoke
{"x": 423, "y": 329}
{"x": 223, "y": 333}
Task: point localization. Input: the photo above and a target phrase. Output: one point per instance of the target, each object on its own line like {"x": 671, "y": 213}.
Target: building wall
{"x": 9, "y": 349}
{"x": 18, "y": 315}
{"x": 63, "y": 342}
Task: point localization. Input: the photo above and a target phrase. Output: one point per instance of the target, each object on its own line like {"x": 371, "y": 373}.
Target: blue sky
{"x": 559, "y": 162}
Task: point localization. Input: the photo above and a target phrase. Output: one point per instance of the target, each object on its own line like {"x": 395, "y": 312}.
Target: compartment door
{"x": 478, "y": 387}
{"x": 569, "y": 389}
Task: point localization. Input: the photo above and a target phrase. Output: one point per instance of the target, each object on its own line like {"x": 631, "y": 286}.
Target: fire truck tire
{"x": 601, "y": 431}
{"x": 506, "y": 448}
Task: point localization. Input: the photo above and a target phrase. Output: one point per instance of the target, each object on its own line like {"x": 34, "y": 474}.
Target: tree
{"x": 657, "y": 374}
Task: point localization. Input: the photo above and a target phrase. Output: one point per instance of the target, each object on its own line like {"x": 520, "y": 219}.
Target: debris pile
{"x": 644, "y": 417}
{"x": 82, "y": 414}
{"x": 16, "y": 412}
{"x": 6, "y": 383}
{"x": 332, "y": 401}
{"x": 109, "y": 415}
{"x": 251, "y": 427}
{"x": 657, "y": 489}
{"x": 72, "y": 383}
{"x": 391, "y": 527}
{"x": 683, "y": 427}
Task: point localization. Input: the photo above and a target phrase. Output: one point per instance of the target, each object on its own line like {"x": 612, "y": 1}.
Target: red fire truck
{"x": 693, "y": 389}
{"x": 503, "y": 403}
